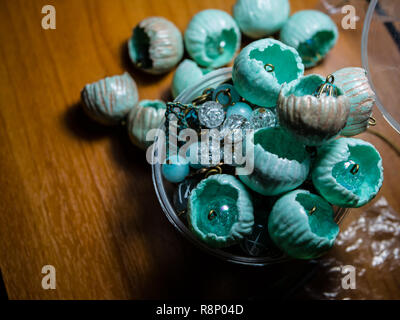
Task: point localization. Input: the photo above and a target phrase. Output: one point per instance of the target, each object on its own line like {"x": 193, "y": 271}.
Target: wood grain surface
{"x": 79, "y": 196}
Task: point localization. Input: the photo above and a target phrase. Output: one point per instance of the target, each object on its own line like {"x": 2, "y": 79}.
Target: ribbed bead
{"x": 355, "y": 85}
{"x": 109, "y": 100}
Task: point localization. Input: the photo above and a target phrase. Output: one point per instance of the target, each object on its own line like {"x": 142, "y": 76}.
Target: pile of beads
{"x": 290, "y": 122}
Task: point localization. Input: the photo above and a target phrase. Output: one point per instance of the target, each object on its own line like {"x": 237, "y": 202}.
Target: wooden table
{"x": 79, "y": 196}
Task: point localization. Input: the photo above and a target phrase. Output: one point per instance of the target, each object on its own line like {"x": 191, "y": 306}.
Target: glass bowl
{"x": 381, "y": 56}
{"x": 164, "y": 191}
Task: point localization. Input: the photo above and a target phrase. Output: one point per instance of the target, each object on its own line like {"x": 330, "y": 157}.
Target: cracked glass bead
{"x": 211, "y": 114}
{"x": 263, "y": 118}
{"x": 234, "y": 128}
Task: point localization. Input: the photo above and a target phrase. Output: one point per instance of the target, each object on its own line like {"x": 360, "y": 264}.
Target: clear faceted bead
{"x": 263, "y": 118}
{"x": 211, "y": 114}
{"x": 234, "y": 128}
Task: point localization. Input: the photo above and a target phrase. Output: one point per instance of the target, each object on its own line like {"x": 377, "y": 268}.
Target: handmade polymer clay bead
{"x": 226, "y": 95}
{"x": 312, "y": 119}
{"x": 220, "y": 211}
{"x": 156, "y": 45}
{"x": 261, "y": 18}
{"x": 109, "y": 100}
{"x": 240, "y": 108}
{"x": 186, "y": 75}
{"x": 354, "y": 82}
{"x": 348, "y": 172}
{"x": 262, "y": 67}
{"x": 263, "y": 118}
{"x": 212, "y": 38}
{"x": 312, "y": 33}
{"x": 281, "y": 164}
{"x": 175, "y": 169}
{"x": 147, "y": 115}
{"x": 302, "y": 225}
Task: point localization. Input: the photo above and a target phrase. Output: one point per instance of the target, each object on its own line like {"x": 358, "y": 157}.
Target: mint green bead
{"x": 220, "y": 211}
{"x": 261, "y": 18}
{"x": 302, "y": 225}
{"x": 252, "y": 78}
{"x": 186, "y": 75}
{"x": 312, "y": 33}
{"x": 147, "y": 115}
{"x": 156, "y": 45}
{"x": 176, "y": 169}
{"x": 212, "y": 38}
{"x": 348, "y": 172}
{"x": 240, "y": 108}
{"x": 109, "y": 100}
{"x": 281, "y": 163}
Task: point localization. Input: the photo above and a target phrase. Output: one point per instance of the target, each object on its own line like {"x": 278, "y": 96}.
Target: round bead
{"x": 234, "y": 128}
{"x": 147, "y": 115}
{"x": 261, "y": 18}
{"x": 176, "y": 169}
{"x": 252, "y": 74}
{"x": 302, "y": 225}
{"x": 220, "y": 211}
{"x": 109, "y": 100}
{"x": 348, "y": 172}
{"x": 212, "y": 38}
{"x": 355, "y": 84}
{"x": 281, "y": 164}
{"x": 312, "y": 120}
{"x": 263, "y": 118}
{"x": 226, "y": 95}
{"x": 156, "y": 45}
{"x": 211, "y": 114}
{"x": 193, "y": 155}
{"x": 186, "y": 75}
{"x": 240, "y": 108}
{"x": 312, "y": 33}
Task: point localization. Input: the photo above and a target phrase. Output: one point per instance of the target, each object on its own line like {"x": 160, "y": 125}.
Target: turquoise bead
{"x": 156, "y": 45}
{"x": 220, "y": 211}
{"x": 109, "y": 100}
{"x": 240, "y": 108}
{"x": 176, "y": 169}
{"x": 261, "y": 18}
{"x": 281, "y": 164}
{"x": 348, "y": 172}
{"x": 253, "y": 79}
{"x": 312, "y": 33}
{"x": 302, "y": 225}
{"x": 212, "y": 38}
{"x": 226, "y": 95}
{"x": 186, "y": 75}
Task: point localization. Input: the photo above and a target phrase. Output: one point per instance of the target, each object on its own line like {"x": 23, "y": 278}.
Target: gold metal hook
{"x": 354, "y": 169}
{"x": 212, "y": 215}
{"x": 226, "y": 92}
{"x": 272, "y": 67}
{"x": 372, "y": 121}
{"x": 312, "y": 210}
